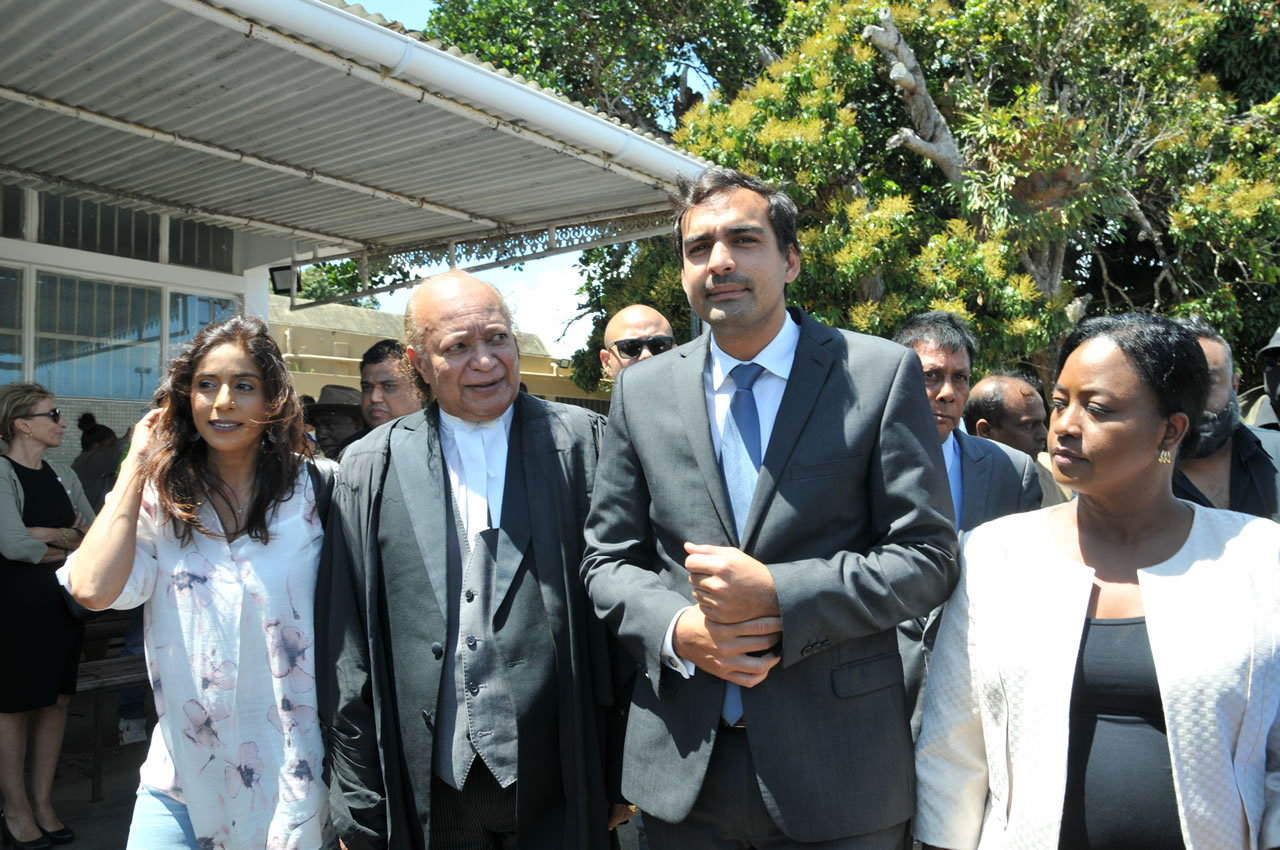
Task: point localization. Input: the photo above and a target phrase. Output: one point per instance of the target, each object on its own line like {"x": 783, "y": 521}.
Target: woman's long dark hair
{"x": 178, "y": 464}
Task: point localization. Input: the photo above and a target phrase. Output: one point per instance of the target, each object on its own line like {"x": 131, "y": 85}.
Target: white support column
{"x": 30, "y": 215}
{"x": 163, "y": 247}
{"x": 257, "y": 285}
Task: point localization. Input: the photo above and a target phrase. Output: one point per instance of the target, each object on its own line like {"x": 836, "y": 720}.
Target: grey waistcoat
{"x": 476, "y": 715}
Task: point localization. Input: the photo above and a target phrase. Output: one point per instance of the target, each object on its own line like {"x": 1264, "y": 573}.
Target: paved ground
{"x": 103, "y": 825}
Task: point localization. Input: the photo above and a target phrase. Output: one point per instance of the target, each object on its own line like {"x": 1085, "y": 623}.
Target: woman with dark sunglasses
{"x": 43, "y": 514}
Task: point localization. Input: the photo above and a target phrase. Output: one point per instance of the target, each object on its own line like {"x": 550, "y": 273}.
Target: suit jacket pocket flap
{"x": 870, "y": 674}
{"x": 836, "y": 466}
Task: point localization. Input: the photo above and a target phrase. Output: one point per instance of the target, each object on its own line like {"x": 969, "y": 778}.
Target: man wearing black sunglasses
{"x": 634, "y": 333}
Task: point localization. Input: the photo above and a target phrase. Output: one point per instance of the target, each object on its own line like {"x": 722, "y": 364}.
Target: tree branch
{"x": 931, "y": 137}
{"x": 1108, "y": 283}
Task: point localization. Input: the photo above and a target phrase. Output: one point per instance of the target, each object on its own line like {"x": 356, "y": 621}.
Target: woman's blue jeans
{"x": 160, "y": 823}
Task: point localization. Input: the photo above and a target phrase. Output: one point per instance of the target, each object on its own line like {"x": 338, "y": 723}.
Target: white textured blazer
{"x": 991, "y": 760}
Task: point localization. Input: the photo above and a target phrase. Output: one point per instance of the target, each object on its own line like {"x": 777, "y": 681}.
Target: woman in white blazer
{"x": 1107, "y": 672}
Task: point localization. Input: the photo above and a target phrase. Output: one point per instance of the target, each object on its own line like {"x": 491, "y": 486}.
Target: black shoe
{"x": 41, "y": 843}
{"x": 58, "y": 836}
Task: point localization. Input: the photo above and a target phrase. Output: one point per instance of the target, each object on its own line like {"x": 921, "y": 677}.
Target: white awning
{"x": 317, "y": 123}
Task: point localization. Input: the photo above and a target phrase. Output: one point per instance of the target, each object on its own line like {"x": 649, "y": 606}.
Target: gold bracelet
{"x": 64, "y": 539}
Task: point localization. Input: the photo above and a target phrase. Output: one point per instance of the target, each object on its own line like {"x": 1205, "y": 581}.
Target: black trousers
{"x": 481, "y": 816}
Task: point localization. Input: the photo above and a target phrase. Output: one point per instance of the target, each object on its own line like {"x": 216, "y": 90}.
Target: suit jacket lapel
{"x": 809, "y": 372}
{"x": 514, "y": 529}
{"x": 692, "y": 403}
{"x": 419, "y": 465}
{"x": 975, "y": 478}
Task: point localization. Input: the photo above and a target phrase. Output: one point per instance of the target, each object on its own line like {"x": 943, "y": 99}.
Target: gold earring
{"x": 1165, "y": 456}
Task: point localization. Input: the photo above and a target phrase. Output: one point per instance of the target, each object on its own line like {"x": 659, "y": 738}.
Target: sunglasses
{"x": 631, "y": 348}
{"x": 55, "y": 415}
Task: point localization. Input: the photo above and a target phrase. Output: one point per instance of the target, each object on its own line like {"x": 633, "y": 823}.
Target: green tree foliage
{"x": 1245, "y": 51}
{"x": 342, "y": 277}
{"x": 1016, "y": 162}
{"x": 627, "y": 58}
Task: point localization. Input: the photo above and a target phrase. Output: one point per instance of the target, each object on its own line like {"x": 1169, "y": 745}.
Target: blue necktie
{"x": 740, "y": 462}
{"x": 740, "y": 443}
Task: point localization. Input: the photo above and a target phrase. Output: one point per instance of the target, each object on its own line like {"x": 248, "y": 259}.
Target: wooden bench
{"x": 102, "y": 677}
{"x": 104, "y": 632}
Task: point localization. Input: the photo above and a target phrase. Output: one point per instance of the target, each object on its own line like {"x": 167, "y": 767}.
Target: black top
{"x": 1119, "y": 777}
{"x": 39, "y": 639}
{"x": 44, "y": 499}
{"x": 1255, "y": 475}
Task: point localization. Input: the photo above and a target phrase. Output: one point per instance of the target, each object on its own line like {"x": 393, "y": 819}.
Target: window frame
{"x": 32, "y": 259}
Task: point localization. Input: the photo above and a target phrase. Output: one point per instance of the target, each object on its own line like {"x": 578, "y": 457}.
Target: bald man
{"x": 634, "y": 333}
{"x": 1008, "y": 408}
{"x": 456, "y": 670}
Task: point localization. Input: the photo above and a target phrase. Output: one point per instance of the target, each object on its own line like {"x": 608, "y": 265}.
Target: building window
{"x": 188, "y": 314}
{"x": 202, "y": 246}
{"x": 10, "y": 325}
{"x": 11, "y": 212}
{"x": 96, "y": 338}
{"x": 90, "y": 226}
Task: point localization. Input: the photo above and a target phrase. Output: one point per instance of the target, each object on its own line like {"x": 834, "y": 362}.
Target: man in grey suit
{"x": 987, "y": 479}
{"x": 770, "y": 503}
{"x": 461, "y": 674}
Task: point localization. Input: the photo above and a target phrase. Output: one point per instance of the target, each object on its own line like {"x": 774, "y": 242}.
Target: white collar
{"x": 452, "y": 424}
{"x": 776, "y": 357}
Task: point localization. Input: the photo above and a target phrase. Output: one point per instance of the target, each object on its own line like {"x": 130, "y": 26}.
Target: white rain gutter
{"x": 436, "y": 70}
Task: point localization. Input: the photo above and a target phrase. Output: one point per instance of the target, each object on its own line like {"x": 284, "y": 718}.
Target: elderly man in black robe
{"x": 462, "y": 679}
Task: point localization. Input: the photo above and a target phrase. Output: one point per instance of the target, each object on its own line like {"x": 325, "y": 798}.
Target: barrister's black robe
{"x": 381, "y": 626}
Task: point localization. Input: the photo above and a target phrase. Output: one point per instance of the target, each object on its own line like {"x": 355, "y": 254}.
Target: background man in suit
{"x": 1232, "y": 466}
{"x": 635, "y": 333}
{"x": 385, "y": 392}
{"x": 456, "y": 675}
{"x": 987, "y": 479}
{"x": 770, "y": 503}
{"x": 1009, "y": 409}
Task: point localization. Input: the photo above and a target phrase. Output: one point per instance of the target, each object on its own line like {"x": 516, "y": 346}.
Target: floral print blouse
{"x": 229, "y": 629}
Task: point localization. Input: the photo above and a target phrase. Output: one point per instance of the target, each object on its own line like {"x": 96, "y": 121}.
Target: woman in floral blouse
{"x": 213, "y": 525}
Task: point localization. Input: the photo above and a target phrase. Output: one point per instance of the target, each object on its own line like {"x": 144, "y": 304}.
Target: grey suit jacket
{"x": 852, "y": 516}
{"x": 382, "y": 609}
{"x": 996, "y": 480}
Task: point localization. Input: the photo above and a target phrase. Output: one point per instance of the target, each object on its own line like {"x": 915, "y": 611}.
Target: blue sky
{"x": 543, "y": 296}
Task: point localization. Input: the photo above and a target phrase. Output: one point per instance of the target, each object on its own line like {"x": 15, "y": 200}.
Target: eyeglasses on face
{"x": 631, "y": 348}
{"x": 55, "y": 415}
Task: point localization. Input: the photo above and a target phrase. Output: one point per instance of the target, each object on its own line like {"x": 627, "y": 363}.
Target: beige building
{"x": 324, "y": 344}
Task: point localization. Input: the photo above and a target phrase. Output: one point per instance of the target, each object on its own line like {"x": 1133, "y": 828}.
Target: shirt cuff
{"x": 669, "y": 657}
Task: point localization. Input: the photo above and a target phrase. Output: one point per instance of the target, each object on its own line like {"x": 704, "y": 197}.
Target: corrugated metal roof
{"x": 145, "y": 71}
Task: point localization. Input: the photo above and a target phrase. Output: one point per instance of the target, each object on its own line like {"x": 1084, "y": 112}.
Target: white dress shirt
{"x": 776, "y": 358}
{"x": 475, "y": 454}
